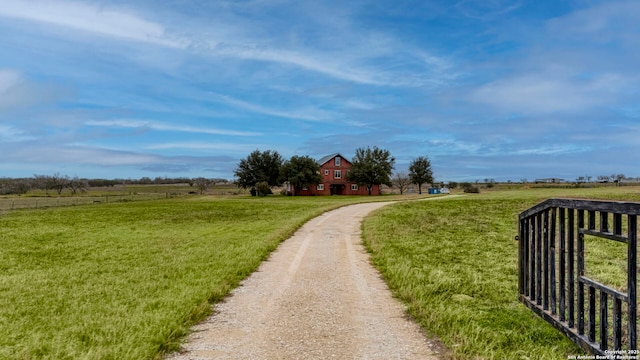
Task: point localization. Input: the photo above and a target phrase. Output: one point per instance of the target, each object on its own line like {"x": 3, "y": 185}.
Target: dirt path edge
{"x": 316, "y": 297}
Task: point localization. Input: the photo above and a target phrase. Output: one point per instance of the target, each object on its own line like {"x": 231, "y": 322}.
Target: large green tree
{"x": 371, "y": 167}
{"x": 420, "y": 172}
{"x": 300, "y": 171}
{"x": 259, "y": 166}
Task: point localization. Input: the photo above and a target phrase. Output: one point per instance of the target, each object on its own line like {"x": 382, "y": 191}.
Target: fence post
{"x": 632, "y": 255}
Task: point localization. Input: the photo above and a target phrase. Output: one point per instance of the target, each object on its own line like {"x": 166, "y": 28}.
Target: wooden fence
{"x": 552, "y": 280}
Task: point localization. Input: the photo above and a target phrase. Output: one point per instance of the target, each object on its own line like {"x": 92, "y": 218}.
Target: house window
{"x": 305, "y": 188}
{"x": 337, "y": 174}
{"x": 326, "y": 172}
{"x": 320, "y": 187}
{"x": 337, "y": 160}
{"x": 354, "y": 187}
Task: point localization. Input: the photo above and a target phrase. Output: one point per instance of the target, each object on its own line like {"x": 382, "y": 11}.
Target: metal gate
{"x": 552, "y": 279}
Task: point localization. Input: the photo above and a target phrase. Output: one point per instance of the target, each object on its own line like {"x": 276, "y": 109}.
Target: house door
{"x": 336, "y": 189}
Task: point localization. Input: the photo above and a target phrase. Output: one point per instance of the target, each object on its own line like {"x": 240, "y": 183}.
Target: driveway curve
{"x": 316, "y": 297}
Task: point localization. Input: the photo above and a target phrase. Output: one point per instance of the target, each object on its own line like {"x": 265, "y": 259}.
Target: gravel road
{"x": 317, "y": 297}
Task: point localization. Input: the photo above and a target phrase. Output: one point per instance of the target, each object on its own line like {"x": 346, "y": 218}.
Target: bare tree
{"x": 15, "y": 186}
{"x": 42, "y": 182}
{"x": 201, "y": 184}
{"x": 77, "y": 184}
{"x": 59, "y": 182}
{"x": 401, "y": 180}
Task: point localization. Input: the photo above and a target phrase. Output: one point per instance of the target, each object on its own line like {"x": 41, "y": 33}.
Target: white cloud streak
{"x": 311, "y": 114}
{"x": 319, "y": 64}
{"x": 346, "y": 62}
{"x": 195, "y": 145}
{"x": 89, "y": 18}
{"x": 159, "y": 126}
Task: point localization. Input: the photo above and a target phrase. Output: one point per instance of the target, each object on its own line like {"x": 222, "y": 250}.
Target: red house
{"x": 334, "y": 169}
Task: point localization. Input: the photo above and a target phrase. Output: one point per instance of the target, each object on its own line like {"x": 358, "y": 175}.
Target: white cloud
{"x": 377, "y": 64}
{"x": 41, "y": 153}
{"x": 89, "y": 18}
{"x": 8, "y": 79}
{"x": 311, "y": 114}
{"x": 606, "y": 21}
{"x": 196, "y": 145}
{"x": 552, "y": 150}
{"x": 11, "y": 134}
{"x": 551, "y": 92}
{"x": 333, "y": 66}
{"x": 159, "y": 126}
{"x": 486, "y": 9}
{"x": 18, "y": 92}
{"x": 357, "y": 58}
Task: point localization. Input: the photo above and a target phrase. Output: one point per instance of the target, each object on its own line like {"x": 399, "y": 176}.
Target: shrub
{"x": 468, "y": 188}
{"x": 263, "y": 188}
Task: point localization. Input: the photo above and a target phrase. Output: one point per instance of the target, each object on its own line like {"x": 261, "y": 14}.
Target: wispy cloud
{"x": 310, "y": 114}
{"x": 485, "y": 88}
{"x": 551, "y": 92}
{"x": 207, "y": 146}
{"x": 159, "y": 126}
{"x": 553, "y": 150}
{"x": 11, "y": 134}
{"x": 129, "y": 161}
{"x": 354, "y": 60}
{"x": 604, "y": 22}
{"x": 90, "y": 18}
{"x": 486, "y": 9}
{"x": 319, "y": 64}
{"x": 18, "y": 92}
{"x": 8, "y": 79}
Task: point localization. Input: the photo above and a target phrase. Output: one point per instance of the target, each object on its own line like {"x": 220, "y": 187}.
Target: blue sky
{"x": 497, "y": 89}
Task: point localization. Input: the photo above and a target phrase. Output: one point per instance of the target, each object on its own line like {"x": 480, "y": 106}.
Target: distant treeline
{"x": 59, "y": 183}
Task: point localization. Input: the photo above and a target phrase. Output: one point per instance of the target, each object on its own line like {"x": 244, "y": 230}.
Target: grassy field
{"x": 454, "y": 263}
{"x": 36, "y": 199}
{"x": 127, "y": 280}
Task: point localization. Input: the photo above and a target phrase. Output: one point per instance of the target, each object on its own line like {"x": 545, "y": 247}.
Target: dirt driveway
{"x": 317, "y": 297}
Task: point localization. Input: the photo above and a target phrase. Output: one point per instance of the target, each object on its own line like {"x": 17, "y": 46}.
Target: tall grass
{"x": 454, "y": 263}
{"x": 127, "y": 280}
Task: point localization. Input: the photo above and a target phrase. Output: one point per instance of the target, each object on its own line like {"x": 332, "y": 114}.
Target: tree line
{"x": 58, "y": 183}
{"x": 262, "y": 170}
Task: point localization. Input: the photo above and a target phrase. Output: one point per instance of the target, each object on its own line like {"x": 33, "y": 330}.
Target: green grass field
{"x": 454, "y": 263}
{"x": 36, "y": 198}
{"x": 127, "y": 280}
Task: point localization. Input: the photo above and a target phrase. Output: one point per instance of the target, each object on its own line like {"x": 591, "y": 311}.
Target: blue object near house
{"x": 434, "y": 191}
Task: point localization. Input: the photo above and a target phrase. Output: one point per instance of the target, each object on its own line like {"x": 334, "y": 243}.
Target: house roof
{"x": 324, "y": 159}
